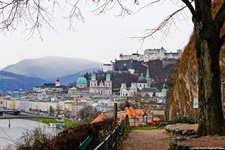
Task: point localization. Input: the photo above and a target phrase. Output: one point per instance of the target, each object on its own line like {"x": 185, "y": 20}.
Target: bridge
{"x": 21, "y": 117}
{"x": 13, "y": 112}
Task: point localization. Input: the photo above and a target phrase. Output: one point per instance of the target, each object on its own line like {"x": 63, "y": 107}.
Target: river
{"x": 9, "y": 135}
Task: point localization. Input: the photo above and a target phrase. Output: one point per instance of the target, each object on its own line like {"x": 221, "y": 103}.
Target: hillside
{"x": 51, "y": 67}
{"x": 158, "y": 69}
{"x": 10, "y": 81}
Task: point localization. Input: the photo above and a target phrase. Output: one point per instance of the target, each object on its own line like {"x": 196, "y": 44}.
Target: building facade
{"x": 152, "y": 54}
{"x": 142, "y": 87}
{"x": 103, "y": 88}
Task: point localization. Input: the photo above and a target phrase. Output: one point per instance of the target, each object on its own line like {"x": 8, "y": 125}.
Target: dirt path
{"x": 147, "y": 140}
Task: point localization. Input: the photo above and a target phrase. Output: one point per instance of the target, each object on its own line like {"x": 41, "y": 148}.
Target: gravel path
{"x": 146, "y": 140}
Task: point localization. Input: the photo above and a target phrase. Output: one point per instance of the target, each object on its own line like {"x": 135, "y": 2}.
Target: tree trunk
{"x": 210, "y": 119}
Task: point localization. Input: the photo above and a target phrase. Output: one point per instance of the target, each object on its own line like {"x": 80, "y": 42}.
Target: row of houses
{"x": 47, "y": 107}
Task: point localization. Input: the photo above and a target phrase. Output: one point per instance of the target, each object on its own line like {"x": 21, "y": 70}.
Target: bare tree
{"x": 88, "y": 112}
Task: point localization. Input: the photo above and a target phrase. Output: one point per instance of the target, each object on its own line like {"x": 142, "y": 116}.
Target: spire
{"x": 147, "y": 73}
{"x": 164, "y": 90}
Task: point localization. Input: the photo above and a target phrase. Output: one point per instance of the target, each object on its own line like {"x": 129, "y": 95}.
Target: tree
{"x": 208, "y": 43}
{"x": 51, "y": 110}
{"x": 208, "y": 39}
{"x": 88, "y": 112}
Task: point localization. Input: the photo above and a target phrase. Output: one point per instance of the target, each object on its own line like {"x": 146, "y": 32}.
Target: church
{"x": 103, "y": 88}
{"x": 142, "y": 87}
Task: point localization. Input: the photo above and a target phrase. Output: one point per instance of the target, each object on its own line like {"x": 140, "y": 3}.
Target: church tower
{"x": 147, "y": 77}
{"x": 57, "y": 82}
{"x": 108, "y": 84}
{"x": 93, "y": 83}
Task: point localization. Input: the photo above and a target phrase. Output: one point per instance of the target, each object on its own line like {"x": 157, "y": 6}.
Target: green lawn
{"x": 68, "y": 122}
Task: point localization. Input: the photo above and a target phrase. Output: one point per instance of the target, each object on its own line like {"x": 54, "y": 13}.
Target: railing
{"x": 110, "y": 142}
{"x": 86, "y": 145}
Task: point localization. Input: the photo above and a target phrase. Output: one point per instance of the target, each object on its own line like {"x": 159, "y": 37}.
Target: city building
{"x": 103, "y": 88}
{"x": 152, "y": 54}
{"x": 142, "y": 87}
{"x": 49, "y": 87}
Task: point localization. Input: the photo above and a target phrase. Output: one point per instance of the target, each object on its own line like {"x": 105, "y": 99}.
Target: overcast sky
{"x": 100, "y": 37}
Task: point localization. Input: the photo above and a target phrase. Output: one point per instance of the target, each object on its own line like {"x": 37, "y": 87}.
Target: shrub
{"x": 183, "y": 120}
{"x": 69, "y": 138}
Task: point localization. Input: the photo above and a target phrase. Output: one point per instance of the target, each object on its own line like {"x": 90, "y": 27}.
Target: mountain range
{"x": 33, "y": 72}
{"x": 10, "y": 81}
{"x": 51, "y": 67}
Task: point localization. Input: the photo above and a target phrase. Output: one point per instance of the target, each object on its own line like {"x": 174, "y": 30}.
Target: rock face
{"x": 182, "y": 83}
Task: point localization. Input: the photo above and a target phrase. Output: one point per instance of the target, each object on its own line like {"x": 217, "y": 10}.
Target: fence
{"x": 110, "y": 142}
{"x": 86, "y": 145}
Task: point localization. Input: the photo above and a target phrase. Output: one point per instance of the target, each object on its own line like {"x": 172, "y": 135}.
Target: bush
{"x": 71, "y": 138}
{"x": 183, "y": 120}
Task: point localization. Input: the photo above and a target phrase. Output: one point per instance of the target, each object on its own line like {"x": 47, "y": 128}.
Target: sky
{"x": 99, "y": 37}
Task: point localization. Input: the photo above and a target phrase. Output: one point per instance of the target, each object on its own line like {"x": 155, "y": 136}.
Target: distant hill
{"x": 65, "y": 80}
{"x": 10, "y": 82}
{"x": 52, "y": 67}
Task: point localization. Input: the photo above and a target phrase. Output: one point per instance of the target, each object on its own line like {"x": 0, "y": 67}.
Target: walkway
{"x": 147, "y": 140}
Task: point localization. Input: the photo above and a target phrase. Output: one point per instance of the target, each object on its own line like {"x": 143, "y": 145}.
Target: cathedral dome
{"x": 81, "y": 80}
{"x": 141, "y": 79}
{"x": 73, "y": 88}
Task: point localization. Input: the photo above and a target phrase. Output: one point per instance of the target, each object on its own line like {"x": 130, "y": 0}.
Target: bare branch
{"x": 190, "y": 7}
{"x": 31, "y": 13}
{"x": 149, "y": 4}
{"x": 163, "y": 24}
{"x": 106, "y": 6}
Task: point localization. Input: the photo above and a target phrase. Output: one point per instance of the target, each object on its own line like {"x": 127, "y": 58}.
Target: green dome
{"x": 15, "y": 92}
{"x": 73, "y": 88}
{"x": 81, "y": 80}
{"x": 141, "y": 79}
{"x": 164, "y": 90}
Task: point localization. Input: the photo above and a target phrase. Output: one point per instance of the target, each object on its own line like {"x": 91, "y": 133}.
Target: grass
{"x": 67, "y": 122}
{"x": 46, "y": 120}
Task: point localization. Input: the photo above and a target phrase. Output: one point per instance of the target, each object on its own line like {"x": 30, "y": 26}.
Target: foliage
{"x": 183, "y": 120}
{"x": 32, "y": 140}
{"x": 69, "y": 138}
{"x": 127, "y": 103}
{"x": 70, "y": 123}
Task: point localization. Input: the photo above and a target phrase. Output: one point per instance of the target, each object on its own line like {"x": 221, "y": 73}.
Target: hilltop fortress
{"x": 151, "y": 54}
{"x": 127, "y": 62}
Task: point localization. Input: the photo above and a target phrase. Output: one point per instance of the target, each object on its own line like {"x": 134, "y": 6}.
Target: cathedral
{"x": 103, "y": 88}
